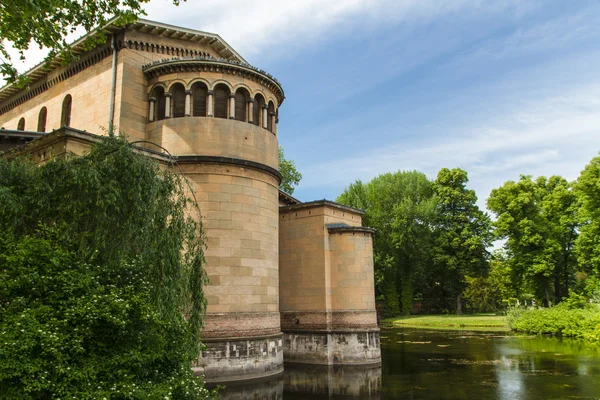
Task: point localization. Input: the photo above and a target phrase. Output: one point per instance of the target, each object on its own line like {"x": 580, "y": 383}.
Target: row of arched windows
{"x": 65, "y": 117}
{"x": 239, "y": 105}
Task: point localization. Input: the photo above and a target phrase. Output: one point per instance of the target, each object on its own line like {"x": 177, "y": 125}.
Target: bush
{"x": 98, "y": 298}
{"x": 572, "y": 318}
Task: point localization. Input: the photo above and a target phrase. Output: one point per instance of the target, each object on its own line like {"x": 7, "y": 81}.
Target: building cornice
{"x": 344, "y": 228}
{"x": 198, "y": 159}
{"x": 321, "y": 203}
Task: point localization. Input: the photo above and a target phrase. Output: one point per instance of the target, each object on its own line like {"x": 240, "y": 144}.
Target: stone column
{"x": 265, "y": 116}
{"x": 232, "y": 106}
{"x": 210, "y": 110}
{"x": 151, "y": 104}
{"x": 275, "y": 126}
{"x": 188, "y": 103}
{"x": 251, "y": 111}
{"x": 273, "y": 121}
{"x": 168, "y": 105}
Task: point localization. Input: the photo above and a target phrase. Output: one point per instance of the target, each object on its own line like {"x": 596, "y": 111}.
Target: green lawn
{"x": 481, "y": 322}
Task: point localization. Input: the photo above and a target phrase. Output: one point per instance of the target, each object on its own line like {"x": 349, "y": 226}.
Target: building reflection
{"x": 312, "y": 381}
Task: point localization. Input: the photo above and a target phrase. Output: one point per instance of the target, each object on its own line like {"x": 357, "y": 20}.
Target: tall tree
{"x": 587, "y": 189}
{"x": 290, "y": 177}
{"x": 538, "y": 221}
{"x": 47, "y": 23}
{"x": 463, "y": 231}
{"x": 401, "y": 207}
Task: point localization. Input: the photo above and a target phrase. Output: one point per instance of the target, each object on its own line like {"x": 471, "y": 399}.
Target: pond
{"x": 435, "y": 364}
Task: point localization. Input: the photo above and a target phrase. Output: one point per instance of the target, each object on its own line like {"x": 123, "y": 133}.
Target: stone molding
{"x": 329, "y": 321}
{"x": 320, "y": 203}
{"x": 240, "y": 325}
{"x": 229, "y": 160}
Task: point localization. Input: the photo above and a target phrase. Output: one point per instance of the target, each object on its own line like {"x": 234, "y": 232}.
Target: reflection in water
{"x": 314, "y": 382}
{"x": 333, "y": 382}
{"x": 424, "y": 364}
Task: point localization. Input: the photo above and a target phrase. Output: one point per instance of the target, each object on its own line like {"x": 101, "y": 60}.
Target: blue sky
{"x": 498, "y": 88}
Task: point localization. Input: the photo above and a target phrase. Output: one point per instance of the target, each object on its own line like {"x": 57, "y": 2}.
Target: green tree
{"x": 539, "y": 223}
{"x": 290, "y": 177}
{"x": 401, "y": 206}
{"x": 463, "y": 232}
{"x": 587, "y": 189}
{"x": 492, "y": 292}
{"x": 47, "y": 23}
{"x": 101, "y": 278}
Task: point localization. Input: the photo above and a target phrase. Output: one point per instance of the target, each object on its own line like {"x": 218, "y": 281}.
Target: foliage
{"x": 401, "y": 206}
{"x": 490, "y": 293}
{"x": 587, "y": 189}
{"x": 538, "y": 220}
{"x": 101, "y": 278}
{"x": 463, "y": 232}
{"x": 290, "y": 177}
{"x": 571, "y": 318}
{"x": 47, "y": 23}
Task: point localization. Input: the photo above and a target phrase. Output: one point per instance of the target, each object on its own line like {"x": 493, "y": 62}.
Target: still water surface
{"x": 431, "y": 364}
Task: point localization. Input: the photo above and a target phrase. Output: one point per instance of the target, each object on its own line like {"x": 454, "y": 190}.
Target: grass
{"x": 480, "y": 322}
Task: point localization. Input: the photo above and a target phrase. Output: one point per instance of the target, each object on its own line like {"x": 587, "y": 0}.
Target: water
{"x": 430, "y": 364}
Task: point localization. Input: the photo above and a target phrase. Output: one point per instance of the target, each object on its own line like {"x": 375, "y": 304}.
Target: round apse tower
{"x": 220, "y": 119}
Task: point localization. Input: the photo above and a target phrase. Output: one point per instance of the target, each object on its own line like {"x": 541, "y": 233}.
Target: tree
{"x": 493, "y": 291}
{"x": 539, "y": 223}
{"x": 101, "y": 279}
{"x": 290, "y": 177}
{"x": 47, "y": 23}
{"x": 401, "y": 207}
{"x": 463, "y": 232}
{"x": 587, "y": 190}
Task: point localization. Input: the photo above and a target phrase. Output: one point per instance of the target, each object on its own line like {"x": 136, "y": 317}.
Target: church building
{"x": 290, "y": 281}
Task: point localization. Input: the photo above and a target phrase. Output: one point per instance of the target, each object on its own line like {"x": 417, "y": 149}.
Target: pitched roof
{"x": 142, "y": 25}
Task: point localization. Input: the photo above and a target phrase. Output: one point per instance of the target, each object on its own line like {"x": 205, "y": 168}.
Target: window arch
{"x": 270, "y": 113}
{"x": 42, "y": 120}
{"x": 21, "y": 125}
{"x": 221, "y": 101}
{"x": 178, "y": 100}
{"x": 259, "y": 101}
{"x": 241, "y": 104}
{"x": 65, "y": 118}
{"x": 199, "y": 94}
{"x": 159, "y": 94}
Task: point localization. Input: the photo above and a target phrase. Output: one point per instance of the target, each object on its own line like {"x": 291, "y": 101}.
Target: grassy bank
{"x": 478, "y": 322}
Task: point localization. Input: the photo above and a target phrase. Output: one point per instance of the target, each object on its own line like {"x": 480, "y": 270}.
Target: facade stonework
{"x": 289, "y": 281}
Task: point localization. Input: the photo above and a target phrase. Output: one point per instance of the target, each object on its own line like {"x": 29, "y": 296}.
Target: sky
{"x": 498, "y": 88}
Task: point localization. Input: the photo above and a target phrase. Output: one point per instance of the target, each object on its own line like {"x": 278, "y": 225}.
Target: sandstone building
{"x": 289, "y": 280}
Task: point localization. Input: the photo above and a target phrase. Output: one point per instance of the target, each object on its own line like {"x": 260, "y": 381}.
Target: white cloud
{"x": 557, "y": 135}
{"x": 254, "y": 27}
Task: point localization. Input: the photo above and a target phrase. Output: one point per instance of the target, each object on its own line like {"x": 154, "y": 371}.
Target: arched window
{"x": 21, "y": 125}
{"x": 259, "y": 101}
{"x": 270, "y": 113}
{"x": 221, "y": 101}
{"x": 178, "y": 100}
{"x": 42, "y": 120}
{"x": 241, "y": 104}
{"x": 65, "y": 117}
{"x": 199, "y": 93}
{"x": 159, "y": 94}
